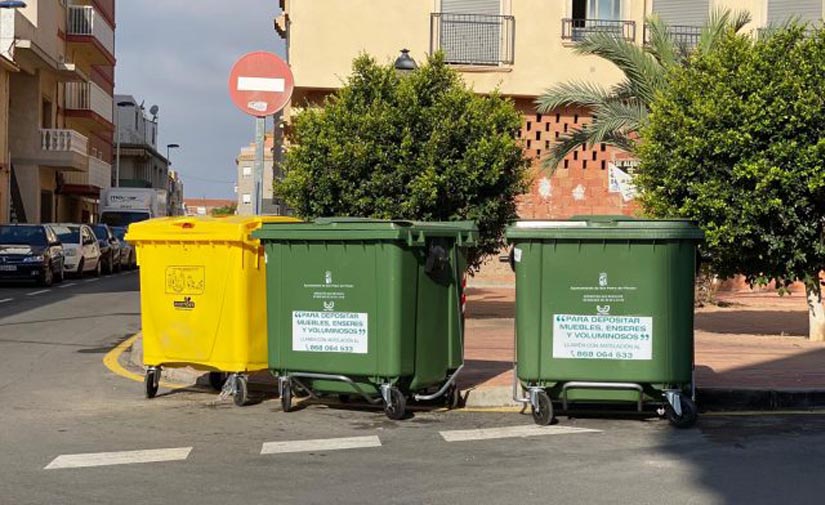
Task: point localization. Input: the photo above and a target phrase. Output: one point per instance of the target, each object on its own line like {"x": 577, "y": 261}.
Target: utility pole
{"x": 258, "y": 167}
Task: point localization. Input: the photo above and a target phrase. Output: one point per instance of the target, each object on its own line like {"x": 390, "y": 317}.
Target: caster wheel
{"x": 217, "y": 380}
{"x": 150, "y": 381}
{"x": 397, "y": 407}
{"x": 452, "y": 398}
{"x": 241, "y": 394}
{"x": 286, "y": 397}
{"x": 689, "y": 414}
{"x": 543, "y": 410}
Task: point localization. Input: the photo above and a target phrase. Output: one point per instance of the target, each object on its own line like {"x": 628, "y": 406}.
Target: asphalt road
{"x": 58, "y": 404}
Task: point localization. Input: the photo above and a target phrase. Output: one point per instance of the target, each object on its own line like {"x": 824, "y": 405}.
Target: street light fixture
{"x": 405, "y": 63}
{"x": 170, "y": 146}
{"x": 117, "y": 135}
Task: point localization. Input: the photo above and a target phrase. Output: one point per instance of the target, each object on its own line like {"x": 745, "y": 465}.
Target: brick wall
{"x": 579, "y": 186}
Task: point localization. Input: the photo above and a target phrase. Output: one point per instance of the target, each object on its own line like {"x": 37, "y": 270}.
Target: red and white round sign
{"x": 260, "y": 83}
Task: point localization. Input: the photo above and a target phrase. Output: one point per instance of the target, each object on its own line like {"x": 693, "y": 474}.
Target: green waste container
{"x": 366, "y": 308}
{"x": 604, "y": 313}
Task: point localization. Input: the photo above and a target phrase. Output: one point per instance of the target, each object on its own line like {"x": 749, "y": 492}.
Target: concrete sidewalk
{"x": 752, "y": 353}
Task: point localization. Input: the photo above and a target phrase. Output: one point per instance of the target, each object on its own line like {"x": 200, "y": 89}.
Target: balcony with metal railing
{"x": 685, "y": 36}
{"x": 87, "y": 100}
{"x": 577, "y": 30}
{"x": 473, "y": 39}
{"x": 86, "y": 27}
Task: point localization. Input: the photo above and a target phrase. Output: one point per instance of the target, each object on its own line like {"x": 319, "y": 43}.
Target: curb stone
{"x": 132, "y": 359}
{"x": 716, "y": 399}
{"x": 708, "y": 399}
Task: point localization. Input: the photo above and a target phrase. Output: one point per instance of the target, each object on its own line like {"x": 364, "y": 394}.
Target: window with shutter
{"x": 806, "y": 11}
{"x": 682, "y": 13}
{"x": 473, "y": 32}
{"x": 684, "y": 19}
{"x": 596, "y": 16}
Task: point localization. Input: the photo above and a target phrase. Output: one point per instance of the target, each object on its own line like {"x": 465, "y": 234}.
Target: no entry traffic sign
{"x": 260, "y": 83}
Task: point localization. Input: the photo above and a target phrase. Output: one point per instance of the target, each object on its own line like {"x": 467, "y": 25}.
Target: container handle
{"x": 185, "y": 223}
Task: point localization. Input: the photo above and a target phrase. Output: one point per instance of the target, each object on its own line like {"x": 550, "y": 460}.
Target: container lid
{"x": 350, "y": 228}
{"x": 606, "y": 227}
{"x": 201, "y": 228}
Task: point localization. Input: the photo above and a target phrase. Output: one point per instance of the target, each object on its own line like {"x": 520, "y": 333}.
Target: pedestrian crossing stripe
{"x": 118, "y": 458}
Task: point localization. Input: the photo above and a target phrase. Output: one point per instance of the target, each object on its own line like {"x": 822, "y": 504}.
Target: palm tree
{"x": 619, "y": 112}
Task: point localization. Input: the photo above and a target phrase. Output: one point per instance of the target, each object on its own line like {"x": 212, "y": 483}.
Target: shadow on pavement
{"x": 491, "y": 303}
{"x": 74, "y": 318}
{"x": 791, "y": 382}
{"x": 750, "y": 460}
{"x": 477, "y": 371}
{"x": 754, "y": 322}
{"x": 125, "y": 283}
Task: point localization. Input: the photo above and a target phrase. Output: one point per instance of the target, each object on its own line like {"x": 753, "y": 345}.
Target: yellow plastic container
{"x": 202, "y": 293}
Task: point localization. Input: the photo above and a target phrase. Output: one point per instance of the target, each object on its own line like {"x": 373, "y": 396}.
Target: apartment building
{"x": 175, "y": 194}
{"x": 519, "y": 47}
{"x": 205, "y": 206}
{"x": 245, "y": 179}
{"x": 61, "y": 107}
{"x": 141, "y": 164}
{"x": 7, "y": 66}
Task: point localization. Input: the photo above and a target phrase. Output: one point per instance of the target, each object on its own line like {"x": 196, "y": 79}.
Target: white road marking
{"x": 274, "y": 85}
{"x": 6, "y": 300}
{"x": 511, "y": 432}
{"x": 118, "y": 458}
{"x": 320, "y": 444}
{"x": 35, "y": 293}
{"x": 92, "y": 280}
{"x": 67, "y": 285}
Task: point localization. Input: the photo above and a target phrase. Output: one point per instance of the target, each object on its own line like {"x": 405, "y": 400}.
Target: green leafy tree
{"x": 227, "y": 210}
{"x": 736, "y": 141}
{"x": 419, "y": 146}
{"x": 621, "y": 111}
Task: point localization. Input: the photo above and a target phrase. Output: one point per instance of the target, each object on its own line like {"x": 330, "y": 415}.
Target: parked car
{"x": 30, "y": 252}
{"x": 128, "y": 256}
{"x": 109, "y": 247}
{"x": 80, "y": 247}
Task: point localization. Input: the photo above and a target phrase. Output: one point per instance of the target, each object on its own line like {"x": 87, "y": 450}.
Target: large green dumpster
{"x": 604, "y": 313}
{"x": 366, "y": 307}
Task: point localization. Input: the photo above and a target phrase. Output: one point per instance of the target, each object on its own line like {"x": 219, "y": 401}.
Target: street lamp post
{"x": 405, "y": 63}
{"x": 117, "y": 138}
{"x": 168, "y": 147}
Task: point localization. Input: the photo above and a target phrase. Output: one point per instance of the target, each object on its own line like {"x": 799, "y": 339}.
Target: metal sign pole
{"x": 260, "y": 129}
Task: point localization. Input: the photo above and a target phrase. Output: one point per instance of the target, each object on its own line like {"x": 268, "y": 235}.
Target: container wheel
{"x": 452, "y": 397}
{"x": 286, "y": 396}
{"x": 217, "y": 380}
{"x": 543, "y": 409}
{"x": 689, "y": 413}
{"x": 150, "y": 381}
{"x": 241, "y": 394}
{"x": 396, "y": 409}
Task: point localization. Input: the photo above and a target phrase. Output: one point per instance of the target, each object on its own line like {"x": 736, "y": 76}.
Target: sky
{"x": 178, "y": 54}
